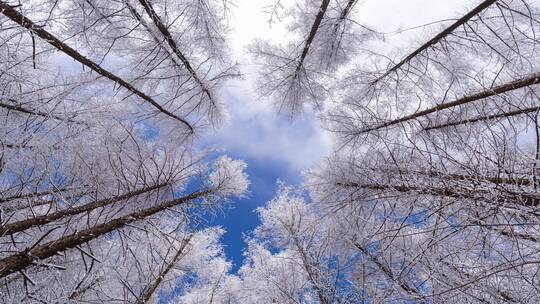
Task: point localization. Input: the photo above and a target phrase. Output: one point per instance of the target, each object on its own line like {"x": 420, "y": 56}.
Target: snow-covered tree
{"x": 434, "y": 178}
{"x": 100, "y": 102}
{"x": 324, "y": 36}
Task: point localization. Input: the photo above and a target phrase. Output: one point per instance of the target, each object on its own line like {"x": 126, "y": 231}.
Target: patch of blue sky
{"x": 410, "y": 274}
{"x": 39, "y": 127}
{"x": 188, "y": 279}
{"x": 9, "y": 176}
{"x": 57, "y": 181}
{"x": 26, "y": 178}
{"x": 373, "y": 247}
{"x": 453, "y": 222}
{"x": 274, "y": 149}
{"x": 346, "y": 291}
{"x": 241, "y": 218}
{"x": 422, "y": 286}
{"x": 418, "y": 219}
{"x": 148, "y": 131}
{"x": 110, "y": 236}
{"x": 362, "y": 297}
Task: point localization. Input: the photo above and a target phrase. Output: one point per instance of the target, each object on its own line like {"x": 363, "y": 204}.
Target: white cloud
{"x": 256, "y": 131}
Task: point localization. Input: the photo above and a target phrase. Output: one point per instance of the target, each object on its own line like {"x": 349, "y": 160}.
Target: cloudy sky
{"x": 274, "y": 147}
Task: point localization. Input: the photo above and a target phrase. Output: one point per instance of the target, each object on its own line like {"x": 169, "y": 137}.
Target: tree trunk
{"x": 390, "y": 274}
{"x": 45, "y": 219}
{"x": 151, "y": 289}
{"x": 482, "y": 6}
{"x": 168, "y": 37}
{"x": 506, "y": 297}
{"x": 21, "y": 109}
{"x": 483, "y": 118}
{"x": 454, "y": 176}
{"x": 312, "y": 34}
{"x": 523, "y": 199}
{"x": 24, "y": 259}
{"x": 34, "y": 194}
{"x": 312, "y": 275}
{"x": 510, "y": 86}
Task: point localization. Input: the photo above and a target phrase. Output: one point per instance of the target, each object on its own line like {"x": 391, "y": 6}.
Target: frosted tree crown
{"x": 229, "y": 177}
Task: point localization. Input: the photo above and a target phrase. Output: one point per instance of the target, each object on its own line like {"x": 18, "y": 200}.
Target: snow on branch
{"x": 229, "y": 177}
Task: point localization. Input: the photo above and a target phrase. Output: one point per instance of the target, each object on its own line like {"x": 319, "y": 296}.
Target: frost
{"x": 228, "y": 176}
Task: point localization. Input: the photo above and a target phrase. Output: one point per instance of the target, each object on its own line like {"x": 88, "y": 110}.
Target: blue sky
{"x": 241, "y": 219}
{"x": 274, "y": 148}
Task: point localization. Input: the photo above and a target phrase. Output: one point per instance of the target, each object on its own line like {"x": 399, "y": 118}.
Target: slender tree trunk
{"x": 12, "y": 146}
{"x": 81, "y": 291}
{"x": 150, "y": 31}
{"x": 312, "y": 275}
{"x": 483, "y": 118}
{"x": 312, "y": 34}
{"x": 29, "y": 205}
{"x": 523, "y": 199}
{"x": 26, "y": 258}
{"x": 510, "y": 86}
{"x": 45, "y": 219}
{"x": 443, "y": 175}
{"x": 390, "y": 274}
{"x": 337, "y": 35}
{"x": 503, "y": 295}
{"x": 482, "y": 6}
{"x": 34, "y": 194}
{"x": 535, "y": 169}
{"x": 21, "y": 109}
{"x": 172, "y": 43}
{"x": 347, "y": 10}
{"x": 151, "y": 289}
{"x": 507, "y": 231}
{"x": 38, "y": 203}
{"x": 20, "y": 19}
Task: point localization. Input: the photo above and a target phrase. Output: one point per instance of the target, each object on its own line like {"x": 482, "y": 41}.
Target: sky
{"x": 274, "y": 147}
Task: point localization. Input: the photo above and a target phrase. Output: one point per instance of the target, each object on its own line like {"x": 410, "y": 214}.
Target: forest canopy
{"x": 429, "y": 193}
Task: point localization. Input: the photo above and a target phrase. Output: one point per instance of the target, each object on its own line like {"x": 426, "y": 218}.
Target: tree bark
{"x": 45, "y": 219}
{"x": 312, "y": 34}
{"x": 523, "y": 199}
{"x": 510, "y": 86}
{"x": 22, "y": 260}
{"x": 29, "y": 195}
{"x": 503, "y": 295}
{"x": 507, "y": 231}
{"x": 21, "y": 109}
{"x": 172, "y": 43}
{"x": 390, "y": 274}
{"x": 22, "y": 207}
{"x": 483, "y": 118}
{"x": 463, "y": 177}
{"x": 344, "y": 13}
{"x": 312, "y": 275}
